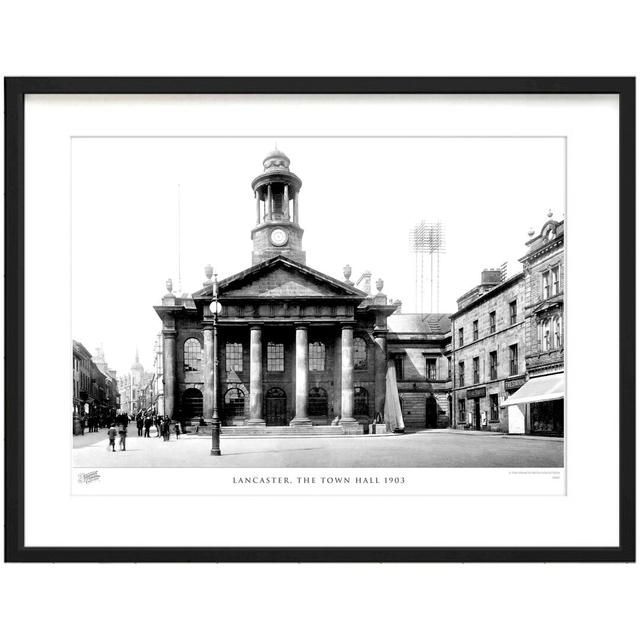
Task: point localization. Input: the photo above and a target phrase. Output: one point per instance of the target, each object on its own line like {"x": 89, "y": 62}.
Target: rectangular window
{"x": 546, "y": 285}
{"x": 316, "y": 356}
{"x": 233, "y": 356}
{"x": 431, "y": 369}
{"x": 493, "y": 407}
{"x": 460, "y": 337}
{"x": 492, "y": 322}
{"x": 461, "y": 374}
{"x": 555, "y": 281}
{"x": 461, "y": 411}
{"x": 449, "y": 368}
{"x": 513, "y": 359}
{"x": 493, "y": 365}
{"x": 398, "y": 363}
{"x": 275, "y": 356}
{"x": 475, "y": 329}
{"x": 476, "y": 370}
{"x": 513, "y": 311}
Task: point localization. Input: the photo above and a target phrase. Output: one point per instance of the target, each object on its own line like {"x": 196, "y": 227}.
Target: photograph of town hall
{"x": 286, "y": 365}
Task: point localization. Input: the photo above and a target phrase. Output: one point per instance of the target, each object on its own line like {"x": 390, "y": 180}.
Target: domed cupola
{"x": 276, "y": 191}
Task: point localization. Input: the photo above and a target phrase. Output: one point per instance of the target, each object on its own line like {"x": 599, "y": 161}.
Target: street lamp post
{"x": 215, "y": 426}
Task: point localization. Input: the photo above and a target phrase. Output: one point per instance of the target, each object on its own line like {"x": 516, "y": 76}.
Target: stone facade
{"x": 488, "y": 357}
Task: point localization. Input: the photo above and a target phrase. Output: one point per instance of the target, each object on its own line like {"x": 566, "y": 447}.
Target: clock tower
{"x": 277, "y": 231}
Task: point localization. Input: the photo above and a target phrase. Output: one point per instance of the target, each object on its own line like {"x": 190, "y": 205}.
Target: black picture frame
{"x": 15, "y": 91}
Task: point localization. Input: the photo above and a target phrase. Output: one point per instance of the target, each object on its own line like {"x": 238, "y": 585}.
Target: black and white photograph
{"x": 324, "y": 301}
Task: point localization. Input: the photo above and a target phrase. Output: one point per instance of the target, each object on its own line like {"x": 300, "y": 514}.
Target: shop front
{"x": 538, "y": 406}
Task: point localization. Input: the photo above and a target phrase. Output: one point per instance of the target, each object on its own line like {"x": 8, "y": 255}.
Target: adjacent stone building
{"x": 488, "y": 355}
{"x": 539, "y": 405}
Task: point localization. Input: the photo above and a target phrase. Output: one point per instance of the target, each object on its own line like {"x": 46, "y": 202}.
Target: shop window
{"x": 359, "y": 353}
{"x": 494, "y": 414}
{"x": 316, "y": 356}
{"x": 233, "y": 356}
{"x": 462, "y": 413}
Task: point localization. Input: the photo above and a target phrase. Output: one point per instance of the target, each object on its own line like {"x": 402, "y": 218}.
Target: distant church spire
{"x": 276, "y": 191}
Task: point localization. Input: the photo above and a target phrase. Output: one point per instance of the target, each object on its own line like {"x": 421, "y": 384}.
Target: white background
{"x": 490, "y": 38}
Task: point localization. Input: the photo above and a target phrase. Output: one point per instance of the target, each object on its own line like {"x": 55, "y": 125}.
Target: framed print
{"x": 320, "y": 319}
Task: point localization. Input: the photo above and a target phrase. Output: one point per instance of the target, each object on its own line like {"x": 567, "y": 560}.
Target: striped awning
{"x": 538, "y": 390}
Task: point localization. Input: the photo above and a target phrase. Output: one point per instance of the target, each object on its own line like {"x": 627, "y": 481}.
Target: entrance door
{"x": 276, "y": 413}
{"x": 477, "y": 424}
{"x": 431, "y": 411}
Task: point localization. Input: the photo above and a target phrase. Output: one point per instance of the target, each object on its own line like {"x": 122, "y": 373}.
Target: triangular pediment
{"x": 282, "y": 277}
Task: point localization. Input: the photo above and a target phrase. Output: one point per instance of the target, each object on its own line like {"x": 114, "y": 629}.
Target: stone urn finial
{"x": 169, "y": 284}
{"x": 531, "y": 232}
{"x": 550, "y": 214}
{"x": 346, "y": 271}
{"x": 379, "y": 284}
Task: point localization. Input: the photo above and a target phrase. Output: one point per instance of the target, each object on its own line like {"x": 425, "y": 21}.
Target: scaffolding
{"x": 427, "y": 239}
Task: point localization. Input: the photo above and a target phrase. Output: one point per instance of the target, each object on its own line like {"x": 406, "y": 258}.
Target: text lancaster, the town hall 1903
{"x": 278, "y": 354}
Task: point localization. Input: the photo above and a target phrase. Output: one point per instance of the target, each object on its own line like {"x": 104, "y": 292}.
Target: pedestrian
{"x": 158, "y": 421}
{"x": 123, "y": 438}
{"x": 177, "y": 426}
{"x": 112, "y": 433}
{"x": 166, "y": 430}
{"x": 147, "y": 426}
{"x": 139, "y": 424}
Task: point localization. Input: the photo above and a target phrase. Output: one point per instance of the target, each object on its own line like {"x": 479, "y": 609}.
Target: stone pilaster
{"x": 337, "y": 375}
{"x": 347, "y": 420}
{"x": 169, "y": 373}
{"x": 380, "y": 365}
{"x": 255, "y": 377}
{"x": 302, "y": 373}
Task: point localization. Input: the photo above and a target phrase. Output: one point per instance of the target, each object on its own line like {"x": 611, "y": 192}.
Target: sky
{"x": 133, "y": 198}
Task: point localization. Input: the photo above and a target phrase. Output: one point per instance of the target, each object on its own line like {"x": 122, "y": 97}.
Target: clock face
{"x": 279, "y": 237}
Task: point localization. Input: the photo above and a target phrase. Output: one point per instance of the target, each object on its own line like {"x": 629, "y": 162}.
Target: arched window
{"x": 234, "y": 403}
{"x": 547, "y": 338}
{"x": 360, "y": 401}
{"x": 317, "y": 402}
{"x": 233, "y": 356}
{"x": 359, "y": 353}
{"x": 557, "y": 332}
{"x": 316, "y": 356}
{"x": 192, "y": 356}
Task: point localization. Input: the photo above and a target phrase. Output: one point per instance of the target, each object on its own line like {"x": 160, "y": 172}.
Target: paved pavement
{"x": 443, "y": 448}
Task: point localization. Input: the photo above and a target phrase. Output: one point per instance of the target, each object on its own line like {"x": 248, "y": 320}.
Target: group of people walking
{"x": 144, "y": 422}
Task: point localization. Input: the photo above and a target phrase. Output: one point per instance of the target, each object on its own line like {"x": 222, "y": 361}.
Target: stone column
{"x": 380, "y": 364}
{"x": 170, "y": 374}
{"x": 337, "y": 377}
{"x": 347, "y": 420}
{"x": 209, "y": 360}
{"x": 285, "y": 202}
{"x": 295, "y": 207}
{"x": 255, "y": 377}
{"x": 268, "y": 204}
{"x": 257, "y": 207}
{"x": 302, "y": 368}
